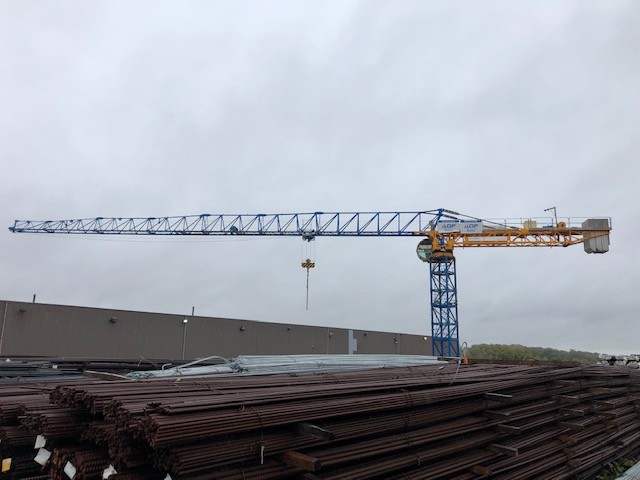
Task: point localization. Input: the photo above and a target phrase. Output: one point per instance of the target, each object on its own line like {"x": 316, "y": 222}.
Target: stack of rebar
{"x": 55, "y": 368}
{"x": 448, "y": 421}
{"x": 16, "y": 443}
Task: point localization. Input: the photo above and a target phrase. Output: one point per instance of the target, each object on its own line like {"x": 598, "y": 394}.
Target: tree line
{"x": 489, "y": 351}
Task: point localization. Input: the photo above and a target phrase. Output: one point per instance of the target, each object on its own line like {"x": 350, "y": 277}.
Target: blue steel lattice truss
{"x": 306, "y": 225}
{"x": 444, "y": 307}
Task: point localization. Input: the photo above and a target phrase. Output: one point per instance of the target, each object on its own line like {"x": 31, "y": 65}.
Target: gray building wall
{"x": 35, "y": 329}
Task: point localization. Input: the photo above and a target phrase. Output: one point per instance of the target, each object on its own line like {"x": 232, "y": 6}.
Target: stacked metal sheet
{"x": 419, "y": 422}
{"x": 632, "y": 473}
{"x": 272, "y": 364}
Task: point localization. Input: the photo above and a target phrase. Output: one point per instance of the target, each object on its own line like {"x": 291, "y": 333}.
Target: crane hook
{"x": 308, "y": 263}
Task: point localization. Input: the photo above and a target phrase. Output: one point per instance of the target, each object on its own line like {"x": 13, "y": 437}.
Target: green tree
{"x": 492, "y": 351}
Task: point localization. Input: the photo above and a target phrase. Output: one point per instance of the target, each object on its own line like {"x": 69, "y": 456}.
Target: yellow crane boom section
{"x": 540, "y": 237}
{"x": 444, "y": 237}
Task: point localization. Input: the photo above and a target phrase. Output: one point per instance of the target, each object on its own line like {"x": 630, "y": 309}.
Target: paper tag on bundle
{"x": 108, "y": 472}
{"x": 70, "y": 470}
{"x": 168, "y": 477}
{"x": 6, "y": 465}
{"x": 40, "y": 442}
{"x": 43, "y": 456}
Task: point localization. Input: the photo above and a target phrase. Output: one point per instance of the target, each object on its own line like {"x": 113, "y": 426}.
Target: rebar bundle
{"x": 450, "y": 421}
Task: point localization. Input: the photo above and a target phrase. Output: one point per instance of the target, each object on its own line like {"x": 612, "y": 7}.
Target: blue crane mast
{"x": 443, "y": 230}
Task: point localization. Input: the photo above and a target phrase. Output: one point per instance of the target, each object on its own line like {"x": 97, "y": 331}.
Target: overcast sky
{"x": 492, "y": 109}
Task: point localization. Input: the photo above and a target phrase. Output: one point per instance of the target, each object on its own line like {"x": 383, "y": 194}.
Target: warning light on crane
{"x": 443, "y": 231}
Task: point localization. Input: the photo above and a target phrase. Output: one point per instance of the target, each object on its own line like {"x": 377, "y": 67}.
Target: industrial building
{"x": 35, "y": 329}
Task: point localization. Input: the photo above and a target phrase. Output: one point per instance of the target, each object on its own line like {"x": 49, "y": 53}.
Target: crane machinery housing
{"x": 442, "y": 231}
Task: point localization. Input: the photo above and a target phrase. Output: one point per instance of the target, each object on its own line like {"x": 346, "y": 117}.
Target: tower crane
{"x": 441, "y": 231}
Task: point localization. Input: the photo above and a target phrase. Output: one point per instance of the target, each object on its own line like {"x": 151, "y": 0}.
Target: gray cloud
{"x": 495, "y": 109}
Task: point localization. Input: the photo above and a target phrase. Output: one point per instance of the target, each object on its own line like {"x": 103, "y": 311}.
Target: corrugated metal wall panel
{"x": 59, "y": 330}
